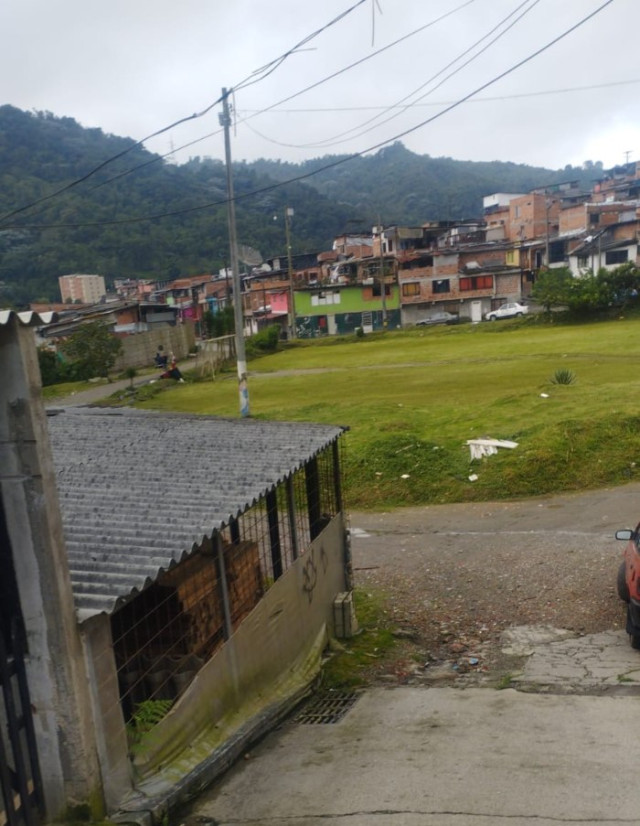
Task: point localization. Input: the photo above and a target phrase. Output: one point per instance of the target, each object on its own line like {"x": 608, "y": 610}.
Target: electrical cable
{"x": 262, "y": 73}
{"x": 491, "y": 99}
{"x": 362, "y": 59}
{"x": 338, "y": 161}
{"x": 290, "y": 97}
{"x": 340, "y": 137}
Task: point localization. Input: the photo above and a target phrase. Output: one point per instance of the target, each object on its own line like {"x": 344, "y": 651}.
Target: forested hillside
{"x": 92, "y": 226}
{"x": 404, "y": 188}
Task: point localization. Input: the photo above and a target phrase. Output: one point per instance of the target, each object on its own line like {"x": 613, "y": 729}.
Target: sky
{"x": 132, "y": 67}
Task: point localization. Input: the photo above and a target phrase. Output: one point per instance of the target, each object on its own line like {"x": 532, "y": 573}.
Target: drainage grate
{"x": 327, "y": 708}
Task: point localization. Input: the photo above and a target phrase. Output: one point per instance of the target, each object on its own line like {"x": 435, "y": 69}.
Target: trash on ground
{"x": 488, "y": 446}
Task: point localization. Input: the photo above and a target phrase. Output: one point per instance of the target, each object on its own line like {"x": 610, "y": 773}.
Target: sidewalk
{"x": 436, "y": 757}
{"x": 93, "y": 395}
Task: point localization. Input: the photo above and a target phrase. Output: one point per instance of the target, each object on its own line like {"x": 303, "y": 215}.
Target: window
{"x": 412, "y": 288}
{"x": 617, "y": 256}
{"x": 376, "y": 292}
{"x": 476, "y": 282}
{"x": 556, "y": 252}
{"x": 594, "y": 217}
{"x": 440, "y": 286}
{"x": 325, "y": 297}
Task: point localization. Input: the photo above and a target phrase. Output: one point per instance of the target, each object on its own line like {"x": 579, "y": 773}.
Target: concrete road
{"x": 441, "y": 757}
{"x": 559, "y": 749}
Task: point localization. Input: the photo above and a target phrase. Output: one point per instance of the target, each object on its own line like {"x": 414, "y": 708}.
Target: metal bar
{"x": 234, "y": 528}
{"x": 13, "y": 727}
{"x": 274, "y": 534}
{"x": 37, "y": 793}
{"x": 337, "y": 483}
{"x": 293, "y": 528}
{"x": 313, "y": 498}
{"x": 224, "y": 587}
{"x": 6, "y": 782}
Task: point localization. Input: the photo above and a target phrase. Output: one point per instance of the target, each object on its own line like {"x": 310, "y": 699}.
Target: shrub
{"x": 563, "y": 376}
{"x": 266, "y": 341}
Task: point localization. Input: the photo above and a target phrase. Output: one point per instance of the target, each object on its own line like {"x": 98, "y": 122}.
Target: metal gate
{"x": 21, "y": 801}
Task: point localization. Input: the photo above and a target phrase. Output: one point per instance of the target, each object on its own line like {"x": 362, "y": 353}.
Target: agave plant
{"x": 563, "y": 376}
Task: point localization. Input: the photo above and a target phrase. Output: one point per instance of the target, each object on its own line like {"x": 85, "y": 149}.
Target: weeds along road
{"x": 455, "y": 576}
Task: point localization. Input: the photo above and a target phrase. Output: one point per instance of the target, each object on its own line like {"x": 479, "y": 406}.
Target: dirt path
{"x": 457, "y": 576}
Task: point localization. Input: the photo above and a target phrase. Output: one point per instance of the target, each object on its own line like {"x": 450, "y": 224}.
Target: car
{"x": 628, "y": 581}
{"x": 438, "y": 318}
{"x": 511, "y": 309}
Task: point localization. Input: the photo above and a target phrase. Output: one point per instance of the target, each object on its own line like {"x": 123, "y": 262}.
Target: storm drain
{"x": 327, "y": 708}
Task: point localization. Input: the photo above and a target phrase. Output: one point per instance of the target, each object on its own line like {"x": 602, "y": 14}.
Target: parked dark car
{"x": 628, "y": 582}
{"x": 438, "y": 318}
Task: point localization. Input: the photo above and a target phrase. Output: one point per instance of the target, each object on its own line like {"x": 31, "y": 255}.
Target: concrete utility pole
{"x": 288, "y": 215}
{"x": 241, "y": 359}
{"x": 383, "y": 285}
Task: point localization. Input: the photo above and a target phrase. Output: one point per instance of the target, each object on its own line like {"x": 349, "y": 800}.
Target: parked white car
{"x": 510, "y": 310}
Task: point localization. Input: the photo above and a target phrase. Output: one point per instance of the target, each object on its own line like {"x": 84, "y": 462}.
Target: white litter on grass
{"x": 544, "y": 395}
{"x": 487, "y": 447}
{"x": 405, "y": 476}
{"x": 473, "y": 477}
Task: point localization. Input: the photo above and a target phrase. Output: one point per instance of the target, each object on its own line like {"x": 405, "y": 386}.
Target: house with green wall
{"x": 336, "y": 309}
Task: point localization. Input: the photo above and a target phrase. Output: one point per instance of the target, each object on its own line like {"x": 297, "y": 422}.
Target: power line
{"x": 540, "y": 93}
{"x": 340, "y": 137}
{"x": 254, "y": 77}
{"x": 339, "y": 161}
{"x": 363, "y": 59}
{"x": 291, "y": 97}
{"x": 403, "y": 107}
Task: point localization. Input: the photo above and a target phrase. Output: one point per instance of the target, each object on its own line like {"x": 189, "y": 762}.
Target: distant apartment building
{"x": 87, "y": 289}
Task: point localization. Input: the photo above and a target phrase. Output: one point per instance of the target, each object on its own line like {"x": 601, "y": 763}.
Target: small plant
{"x": 147, "y": 714}
{"x": 131, "y": 373}
{"x": 563, "y": 376}
{"x": 504, "y": 682}
{"x": 359, "y": 332}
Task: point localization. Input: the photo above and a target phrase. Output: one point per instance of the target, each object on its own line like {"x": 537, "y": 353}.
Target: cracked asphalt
{"x": 556, "y": 745}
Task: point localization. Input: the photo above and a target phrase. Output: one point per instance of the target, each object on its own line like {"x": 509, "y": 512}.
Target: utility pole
{"x": 241, "y": 359}
{"x": 288, "y": 215}
{"x": 383, "y": 284}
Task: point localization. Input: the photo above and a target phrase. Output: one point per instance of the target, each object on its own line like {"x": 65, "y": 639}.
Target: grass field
{"x": 412, "y": 398}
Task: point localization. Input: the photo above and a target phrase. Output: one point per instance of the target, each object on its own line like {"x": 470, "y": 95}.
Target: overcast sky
{"x": 132, "y": 67}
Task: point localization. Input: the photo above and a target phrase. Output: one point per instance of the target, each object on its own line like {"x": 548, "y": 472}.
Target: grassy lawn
{"x": 412, "y": 398}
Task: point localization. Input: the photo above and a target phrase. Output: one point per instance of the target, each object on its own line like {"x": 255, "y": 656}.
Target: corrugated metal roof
{"x": 138, "y": 490}
{"x": 29, "y": 318}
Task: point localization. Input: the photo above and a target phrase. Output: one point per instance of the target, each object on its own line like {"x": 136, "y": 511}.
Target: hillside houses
{"x": 395, "y": 276}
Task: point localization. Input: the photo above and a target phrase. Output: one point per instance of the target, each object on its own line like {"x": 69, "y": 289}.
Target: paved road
{"x": 557, "y": 746}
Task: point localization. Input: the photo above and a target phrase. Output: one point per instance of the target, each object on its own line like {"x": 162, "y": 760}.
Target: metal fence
{"x": 166, "y": 633}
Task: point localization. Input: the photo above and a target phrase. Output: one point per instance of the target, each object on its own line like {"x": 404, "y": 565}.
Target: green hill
{"x": 41, "y": 153}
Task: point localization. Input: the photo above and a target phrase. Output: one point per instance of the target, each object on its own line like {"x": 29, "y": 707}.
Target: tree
{"x": 93, "y": 349}
{"x": 552, "y": 288}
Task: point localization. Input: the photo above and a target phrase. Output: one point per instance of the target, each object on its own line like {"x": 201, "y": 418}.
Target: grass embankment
{"x": 412, "y": 398}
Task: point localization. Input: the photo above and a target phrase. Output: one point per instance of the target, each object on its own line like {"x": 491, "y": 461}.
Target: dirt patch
{"x": 456, "y": 576}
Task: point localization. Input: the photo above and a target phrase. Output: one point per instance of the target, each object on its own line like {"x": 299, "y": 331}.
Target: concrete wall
{"x": 108, "y": 720}
{"x": 273, "y": 653}
{"x": 138, "y": 350}
{"x": 54, "y": 663}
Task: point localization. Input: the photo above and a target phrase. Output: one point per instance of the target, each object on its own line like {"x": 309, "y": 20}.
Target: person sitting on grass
{"x": 173, "y": 372}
